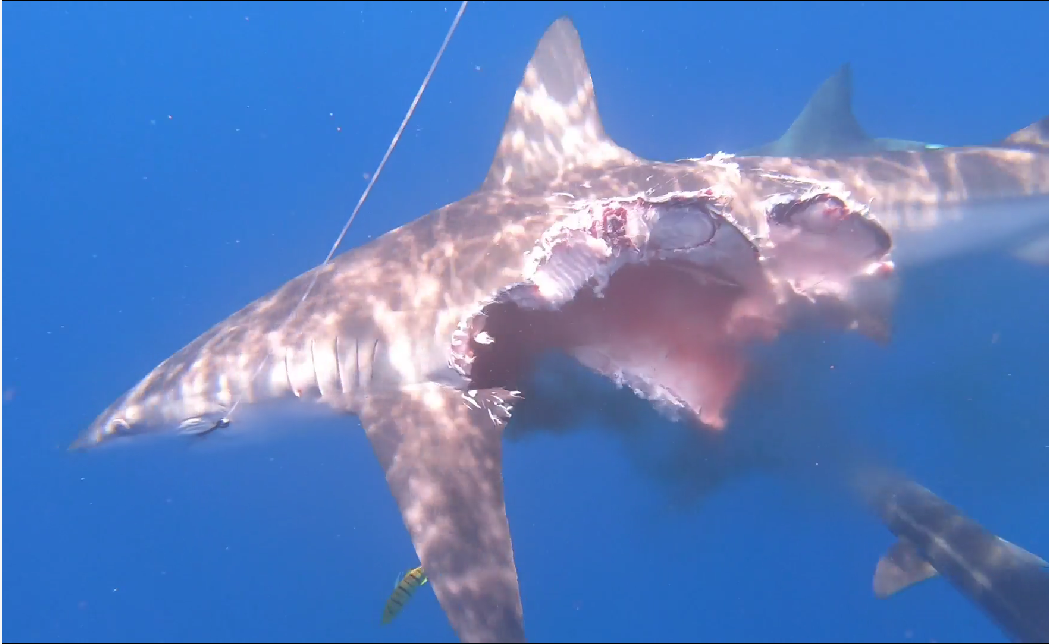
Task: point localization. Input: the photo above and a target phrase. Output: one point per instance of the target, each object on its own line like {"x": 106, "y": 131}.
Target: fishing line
{"x": 224, "y": 422}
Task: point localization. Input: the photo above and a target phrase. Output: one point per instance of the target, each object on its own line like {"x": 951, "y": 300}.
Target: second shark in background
{"x": 1009, "y": 584}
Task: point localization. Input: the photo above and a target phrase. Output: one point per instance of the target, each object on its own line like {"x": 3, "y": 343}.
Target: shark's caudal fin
{"x": 827, "y": 127}
{"x": 553, "y": 125}
{"x": 441, "y": 450}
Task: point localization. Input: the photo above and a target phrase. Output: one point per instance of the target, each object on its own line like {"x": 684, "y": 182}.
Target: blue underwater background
{"x": 169, "y": 162}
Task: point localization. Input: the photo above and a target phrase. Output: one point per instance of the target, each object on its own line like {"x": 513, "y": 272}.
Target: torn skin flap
{"x": 664, "y": 295}
{"x": 667, "y": 336}
{"x": 650, "y": 293}
{"x": 830, "y": 261}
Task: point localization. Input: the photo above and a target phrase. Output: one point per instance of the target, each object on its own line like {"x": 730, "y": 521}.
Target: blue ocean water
{"x": 167, "y": 163}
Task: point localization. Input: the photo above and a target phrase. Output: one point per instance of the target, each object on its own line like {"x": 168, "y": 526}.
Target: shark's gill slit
{"x": 287, "y": 373}
{"x": 340, "y": 373}
{"x": 372, "y": 361}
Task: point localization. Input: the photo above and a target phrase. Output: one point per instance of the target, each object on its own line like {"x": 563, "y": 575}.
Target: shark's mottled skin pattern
{"x": 375, "y": 337}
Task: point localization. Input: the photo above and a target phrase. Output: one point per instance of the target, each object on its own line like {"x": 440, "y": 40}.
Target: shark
{"x": 827, "y": 127}
{"x": 656, "y": 275}
{"x": 1008, "y": 583}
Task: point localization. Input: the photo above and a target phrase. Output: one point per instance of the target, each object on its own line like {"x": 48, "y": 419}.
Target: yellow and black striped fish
{"x": 402, "y": 592}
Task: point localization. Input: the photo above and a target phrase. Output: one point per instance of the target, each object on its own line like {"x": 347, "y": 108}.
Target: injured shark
{"x": 654, "y": 274}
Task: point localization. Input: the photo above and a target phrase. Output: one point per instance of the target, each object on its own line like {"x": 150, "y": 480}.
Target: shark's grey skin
{"x": 1010, "y": 584}
{"x": 657, "y": 275}
{"x": 827, "y": 127}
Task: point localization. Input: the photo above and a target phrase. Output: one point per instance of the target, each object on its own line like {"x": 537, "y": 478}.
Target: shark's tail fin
{"x": 1035, "y": 135}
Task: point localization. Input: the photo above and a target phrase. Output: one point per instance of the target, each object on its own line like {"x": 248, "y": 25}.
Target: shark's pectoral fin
{"x": 1035, "y": 251}
{"x": 1024, "y": 556}
{"x": 901, "y": 567}
{"x": 443, "y": 461}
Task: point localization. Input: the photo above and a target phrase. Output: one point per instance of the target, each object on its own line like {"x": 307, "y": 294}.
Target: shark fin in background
{"x": 1024, "y": 555}
{"x": 825, "y": 125}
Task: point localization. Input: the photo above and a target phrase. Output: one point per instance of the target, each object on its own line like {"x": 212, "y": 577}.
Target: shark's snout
{"x": 106, "y": 427}
{"x": 130, "y": 416}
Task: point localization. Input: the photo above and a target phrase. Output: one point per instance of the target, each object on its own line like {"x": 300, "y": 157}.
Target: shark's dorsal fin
{"x": 826, "y": 125}
{"x": 1035, "y": 135}
{"x": 554, "y": 125}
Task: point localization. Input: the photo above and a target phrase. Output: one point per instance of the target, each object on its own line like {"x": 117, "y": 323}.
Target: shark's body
{"x": 654, "y": 274}
{"x": 1008, "y": 583}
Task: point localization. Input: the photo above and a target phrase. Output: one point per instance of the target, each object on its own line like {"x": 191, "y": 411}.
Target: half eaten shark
{"x": 657, "y": 275}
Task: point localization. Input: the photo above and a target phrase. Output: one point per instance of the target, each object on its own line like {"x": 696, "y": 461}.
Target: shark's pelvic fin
{"x": 900, "y": 567}
{"x": 553, "y": 125}
{"x": 443, "y": 462}
{"x": 1025, "y": 556}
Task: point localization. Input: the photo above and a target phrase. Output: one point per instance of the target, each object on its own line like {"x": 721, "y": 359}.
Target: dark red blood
{"x": 611, "y": 226}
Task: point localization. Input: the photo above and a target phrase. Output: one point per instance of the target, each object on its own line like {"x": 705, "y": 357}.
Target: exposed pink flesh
{"x": 673, "y": 336}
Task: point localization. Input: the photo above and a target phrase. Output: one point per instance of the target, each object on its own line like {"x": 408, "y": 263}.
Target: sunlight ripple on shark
{"x": 656, "y": 275}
